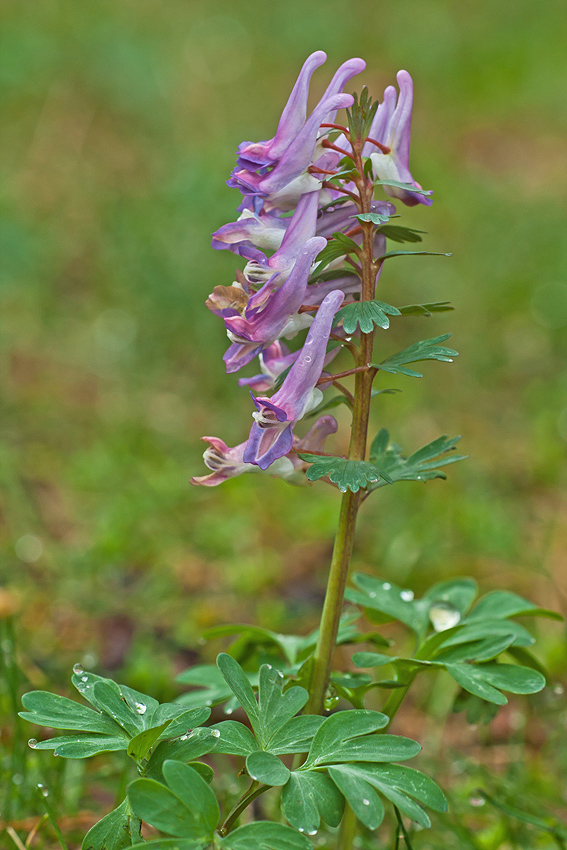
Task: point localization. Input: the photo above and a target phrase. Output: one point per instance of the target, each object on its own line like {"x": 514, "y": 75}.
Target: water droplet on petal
{"x": 407, "y": 595}
{"x": 443, "y": 616}
{"x": 477, "y": 801}
{"x": 140, "y": 707}
{"x": 78, "y": 669}
{"x": 32, "y": 743}
{"x": 307, "y": 359}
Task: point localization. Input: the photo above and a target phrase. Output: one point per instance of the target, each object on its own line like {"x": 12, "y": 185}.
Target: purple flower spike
{"x": 270, "y": 314}
{"x": 271, "y": 434}
{"x": 392, "y": 128}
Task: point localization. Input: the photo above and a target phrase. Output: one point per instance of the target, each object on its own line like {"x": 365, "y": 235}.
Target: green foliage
{"x": 184, "y": 807}
{"x": 350, "y": 750}
{"x": 361, "y": 114}
{"x": 426, "y": 309}
{"x": 365, "y": 314}
{"x": 422, "y": 465}
{"x": 377, "y": 218}
{"x": 339, "y": 246}
{"x": 346, "y": 474}
{"x": 398, "y": 185}
{"x": 427, "y": 349}
{"x": 454, "y": 635}
{"x": 397, "y": 233}
{"x": 117, "y": 831}
{"x": 265, "y": 836}
{"x": 125, "y": 719}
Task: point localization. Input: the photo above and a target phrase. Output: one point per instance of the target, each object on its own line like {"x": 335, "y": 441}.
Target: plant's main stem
{"x": 350, "y": 503}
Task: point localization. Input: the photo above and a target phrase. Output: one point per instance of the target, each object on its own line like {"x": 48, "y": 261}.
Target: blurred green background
{"x": 119, "y": 125}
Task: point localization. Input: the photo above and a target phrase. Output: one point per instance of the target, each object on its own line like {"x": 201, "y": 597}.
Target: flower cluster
{"x": 297, "y": 196}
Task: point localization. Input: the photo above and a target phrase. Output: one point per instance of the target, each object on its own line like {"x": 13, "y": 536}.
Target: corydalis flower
{"x": 226, "y": 462}
{"x": 392, "y": 128}
{"x": 271, "y": 435}
{"x": 270, "y": 314}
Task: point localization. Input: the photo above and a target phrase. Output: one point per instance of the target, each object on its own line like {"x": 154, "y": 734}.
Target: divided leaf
{"x": 115, "y": 831}
{"x": 310, "y": 797}
{"x": 185, "y": 807}
{"x": 426, "y": 309}
{"x": 346, "y": 474}
{"x": 365, "y": 314}
{"x": 427, "y": 349}
{"x": 265, "y": 835}
{"x": 422, "y": 465}
{"x": 46, "y": 709}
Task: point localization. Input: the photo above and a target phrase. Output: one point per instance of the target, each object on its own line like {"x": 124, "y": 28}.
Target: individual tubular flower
{"x": 289, "y": 154}
{"x": 274, "y": 360}
{"x": 392, "y": 128}
{"x": 226, "y": 462}
{"x": 270, "y": 314}
{"x": 300, "y": 229}
{"x": 252, "y": 230}
{"x": 271, "y": 435}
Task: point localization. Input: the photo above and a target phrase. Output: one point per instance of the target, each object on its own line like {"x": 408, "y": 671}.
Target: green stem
{"x": 350, "y": 503}
{"x": 247, "y": 798}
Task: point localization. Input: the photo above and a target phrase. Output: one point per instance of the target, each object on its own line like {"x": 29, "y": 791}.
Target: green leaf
{"x": 427, "y": 349}
{"x": 396, "y": 782}
{"x": 204, "y": 770}
{"x": 181, "y": 719}
{"x": 371, "y": 659}
{"x": 502, "y": 604}
{"x": 476, "y": 651}
{"x": 235, "y": 738}
{"x": 426, "y": 309}
{"x": 363, "y": 800}
{"x": 409, "y": 187}
{"x": 365, "y": 314}
{"x": 109, "y": 696}
{"x": 240, "y": 686}
{"x": 400, "y": 234}
{"x": 309, "y": 797}
{"x": 423, "y": 465}
{"x": 339, "y": 730}
{"x": 374, "y": 217}
{"x": 142, "y": 743}
{"x": 275, "y": 707}
{"x": 114, "y": 832}
{"x": 296, "y": 735}
{"x": 191, "y": 746}
{"x": 45, "y": 709}
{"x": 475, "y": 631}
{"x": 413, "y": 254}
{"x": 186, "y": 808}
{"x": 264, "y": 835}
{"x": 346, "y": 474}
{"x": 390, "y": 600}
{"x": 171, "y": 844}
{"x": 484, "y": 679}
{"x": 267, "y": 769}
{"x": 82, "y": 746}
{"x": 335, "y": 248}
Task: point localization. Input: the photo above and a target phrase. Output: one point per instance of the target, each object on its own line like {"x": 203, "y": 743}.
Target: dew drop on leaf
{"x": 443, "y": 616}
{"x": 407, "y": 595}
{"x": 32, "y": 743}
{"x": 78, "y": 669}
